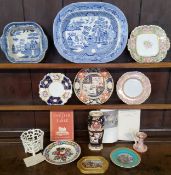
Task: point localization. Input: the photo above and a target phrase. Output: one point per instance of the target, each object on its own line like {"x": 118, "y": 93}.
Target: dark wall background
{"x": 21, "y": 86}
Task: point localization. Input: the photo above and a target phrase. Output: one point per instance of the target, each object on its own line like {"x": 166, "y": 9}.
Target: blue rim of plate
{"x": 92, "y": 7}
{"x": 4, "y": 45}
{"x": 123, "y": 150}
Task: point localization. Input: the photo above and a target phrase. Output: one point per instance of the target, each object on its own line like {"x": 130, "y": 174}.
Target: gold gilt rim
{"x": 93, "y": 170}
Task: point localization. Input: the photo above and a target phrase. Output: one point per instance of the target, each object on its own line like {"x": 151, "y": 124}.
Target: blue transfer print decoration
{"x": 93, "y": 32}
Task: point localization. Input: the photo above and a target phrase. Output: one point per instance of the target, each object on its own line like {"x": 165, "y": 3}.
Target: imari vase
{"x": 96, "y": 130}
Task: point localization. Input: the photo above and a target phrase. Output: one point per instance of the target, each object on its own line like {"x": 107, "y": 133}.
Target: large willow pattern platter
{"x": 90, "y": 32}
{"x": 24, "y": 42}
{"x": 148, "y": 44}
{"x": 55, "y": 89}
{"x": 62, "y": 152}
{"x": 93, "y": 86}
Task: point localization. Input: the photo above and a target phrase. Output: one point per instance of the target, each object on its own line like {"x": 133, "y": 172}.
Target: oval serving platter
{"x": 62, "y": 152}
{"x": 24, "y": 42}
{"x": 93, "y": 165}
{"x": 125, "y": 157}
{"x": 90, "y": 32}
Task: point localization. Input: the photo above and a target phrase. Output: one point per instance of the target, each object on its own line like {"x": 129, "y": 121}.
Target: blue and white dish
{"x": 55, "y": 89}
{"x": 90, "y": 32}
{"x": 24, "y": 42}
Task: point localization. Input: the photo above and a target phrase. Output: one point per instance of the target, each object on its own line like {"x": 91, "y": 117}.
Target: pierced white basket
{"x": 32, "y": 140}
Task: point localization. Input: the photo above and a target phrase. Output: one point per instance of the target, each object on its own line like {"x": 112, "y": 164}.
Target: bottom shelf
{"x": 81, "y": 107}
{"x": 155, "y": 161}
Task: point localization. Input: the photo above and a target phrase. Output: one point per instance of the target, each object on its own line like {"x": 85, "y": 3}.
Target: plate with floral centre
{"x": 125, "y": 157}
{"x": 148, "y": 44}
{"x": 62, "y": 152}
{"x": 55, "y": 89}
{"x": 93, "y": 85}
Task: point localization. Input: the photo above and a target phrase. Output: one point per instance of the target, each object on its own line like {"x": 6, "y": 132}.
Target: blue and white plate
{"x": 90, "y": 32}
{"x": 125, "y": 157}
{"x": 24, "y": 42}
{"x": 55, "y": 89}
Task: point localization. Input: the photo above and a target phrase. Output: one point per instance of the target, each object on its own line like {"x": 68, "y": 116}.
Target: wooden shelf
{"x": 79, "y": 66}
{"x": 81, "y": 107}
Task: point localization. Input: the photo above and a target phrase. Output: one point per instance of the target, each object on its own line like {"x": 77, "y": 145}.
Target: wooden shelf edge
{"x": 81, "y": 107}
{"x": 79, "y": 66}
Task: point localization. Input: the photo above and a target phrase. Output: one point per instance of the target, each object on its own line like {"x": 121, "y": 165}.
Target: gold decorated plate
{"x": 93, "y": 165}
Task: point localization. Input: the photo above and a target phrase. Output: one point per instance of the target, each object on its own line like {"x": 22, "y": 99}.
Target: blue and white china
{"x": 55, "y": 89}
{"x": 90, "y": 32}
{"x": 24, "y": 42}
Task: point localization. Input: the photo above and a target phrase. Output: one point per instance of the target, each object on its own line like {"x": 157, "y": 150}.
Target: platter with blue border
{"x": 125, "y": 157}
{"x": 24, "y": 42}
{"x": 90, "y": 32}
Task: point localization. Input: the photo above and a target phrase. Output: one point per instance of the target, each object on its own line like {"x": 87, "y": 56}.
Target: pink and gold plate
{"x": 93, "y": 85}
{"x": 133, "y": 87}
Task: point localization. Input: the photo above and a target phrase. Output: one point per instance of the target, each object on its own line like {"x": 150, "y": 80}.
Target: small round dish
{"x": 24, "y": 42}
{"x": 148, "y": 44}
{"x": 55, "y": 89}
{"x": 93, "y": 86}
{"x": 133, "y": 87}
{"x": 62, "y": 152}
{"x": 125, "y": 157}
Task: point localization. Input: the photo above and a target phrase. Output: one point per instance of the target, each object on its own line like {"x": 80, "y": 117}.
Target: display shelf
{"x": 79, "y": 66}
{"x": 81, "y": 107}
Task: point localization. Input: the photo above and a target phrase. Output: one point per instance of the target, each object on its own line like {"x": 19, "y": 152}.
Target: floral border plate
{"x": 62, "y": 152}
{"x": 93, "y": 85}
{"x": 133, "y": 87}
{"x": 125, "y": 157}
{"x": 24, "y": 42}
{"x": 148, "y": 44}
{"x": 93, "y": 165}
{"x": 55, "y": 89}
{"x": 90, "y": 32}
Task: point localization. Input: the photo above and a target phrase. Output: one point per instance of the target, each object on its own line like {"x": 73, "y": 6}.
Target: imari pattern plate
{"x": 125, "y": 157}
{"x": 55, "y": 89}
{"x": 24, "y": 42}
{"x": 90, "y": 32}
{"x": 62, "y": 152}
{"x": 93, "y": 86}
{"x": 133, "y": 87}
{"x": 148, "y": 44}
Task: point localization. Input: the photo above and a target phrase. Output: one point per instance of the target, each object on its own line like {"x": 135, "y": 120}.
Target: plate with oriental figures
{"x": 24, "y": 42}
{"x": 62, "y": 152}
{"x": 55, "y": 89}
{"x": 148, "y": 44}
{"x": 133, "y": 87}
{"x": 125, "y": 157}
{"x": 93, "y": 165}
{"x": 93, "y": 85}
{"x": 90, "y": 32}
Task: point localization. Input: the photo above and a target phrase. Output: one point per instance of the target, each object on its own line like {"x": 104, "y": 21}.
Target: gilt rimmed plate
{"x": 24, "y": 42}
{"x": 90, "y": 32}
{"x": 93, "y": 165}
{"x": 133, "y": 87}
{"x": 148, "y": 44}
{"x": 125, "y": 157}
{"x": 93, "y": 85}
{"x": 62, "y": 152}
{"x": 55, "y": 89}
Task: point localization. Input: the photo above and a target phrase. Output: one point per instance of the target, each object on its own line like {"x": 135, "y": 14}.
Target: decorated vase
{"x": 96, "y": 130}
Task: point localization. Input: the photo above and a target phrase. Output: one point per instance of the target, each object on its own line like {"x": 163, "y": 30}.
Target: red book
{"x": 61, "y": 125}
